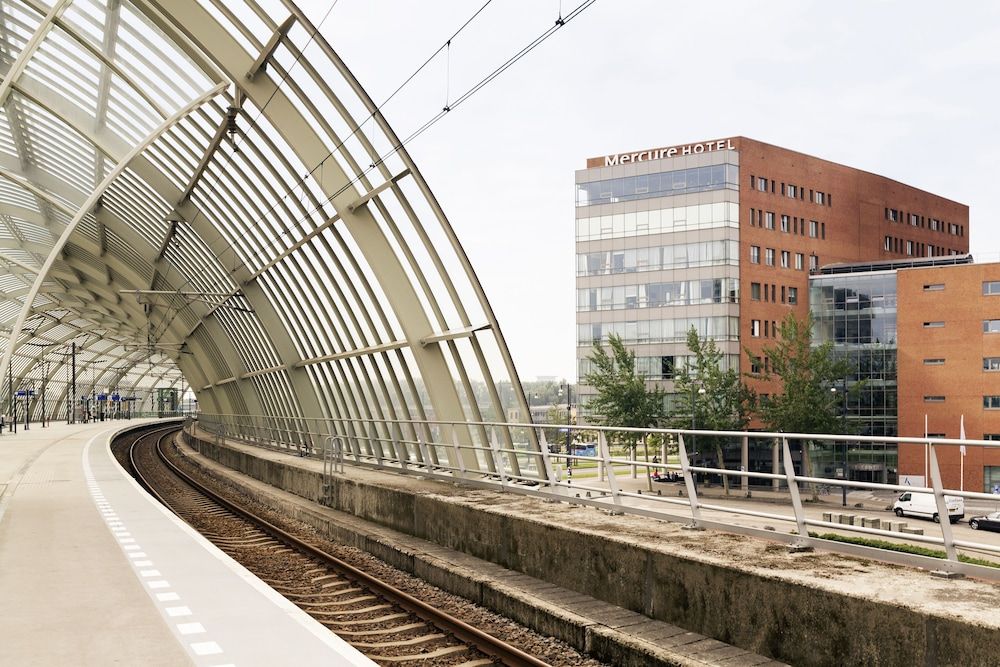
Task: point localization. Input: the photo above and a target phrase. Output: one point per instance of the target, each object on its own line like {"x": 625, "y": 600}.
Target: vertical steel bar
{"x": 793, "y": 491}
{"x": 602, "y": 442}
{"x": 942, "y": 506}
{"x": 692, "y": 489}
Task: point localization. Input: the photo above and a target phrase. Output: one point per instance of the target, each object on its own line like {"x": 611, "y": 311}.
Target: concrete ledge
{"x": 807, "y": 609}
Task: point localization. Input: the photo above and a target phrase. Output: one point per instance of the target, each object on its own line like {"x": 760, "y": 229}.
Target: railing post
{"x": 546, "y": 460}
{"x": 602, "y": 442}
{"x": 424, "y": 453}
{"x": 497, "y": 458}
{"x": 459, "y": 461}
{"x": 942, "y": 507}
{"x": 793, "y": 490}
{"x": 692, "y": 489}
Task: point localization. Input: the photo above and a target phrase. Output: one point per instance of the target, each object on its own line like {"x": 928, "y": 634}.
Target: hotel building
{"x": 723, "y": 235}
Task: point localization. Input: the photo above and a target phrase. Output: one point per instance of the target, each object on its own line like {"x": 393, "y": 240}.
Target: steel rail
{"x": 482, "y": 641}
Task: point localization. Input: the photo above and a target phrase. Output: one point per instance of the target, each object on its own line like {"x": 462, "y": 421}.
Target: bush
{"x": 904, "y": 548}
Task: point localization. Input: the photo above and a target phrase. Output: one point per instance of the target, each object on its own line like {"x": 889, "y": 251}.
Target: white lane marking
{"x": 190, "y": 628}
{"x": 206, "y": 648}
{"x": 134, "y": 552}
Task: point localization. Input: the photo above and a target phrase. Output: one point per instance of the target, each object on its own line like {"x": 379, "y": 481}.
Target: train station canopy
{"x": 199, "y": 194}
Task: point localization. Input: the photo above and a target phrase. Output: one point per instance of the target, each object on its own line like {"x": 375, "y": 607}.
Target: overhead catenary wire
{"x": 433, "y": 120}
{"x": 253, "y": 121}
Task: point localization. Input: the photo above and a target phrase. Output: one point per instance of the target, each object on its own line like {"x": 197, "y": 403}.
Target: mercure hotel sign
{"x": 660, "y": 153}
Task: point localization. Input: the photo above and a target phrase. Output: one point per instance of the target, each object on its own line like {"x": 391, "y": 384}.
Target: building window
{"x": 755, "y": 365}
{"x": 991, "y": 402}
{"x": 799, "y": 257}
{"x": 935, "y": 225}
{"x": 769, "y": 256}
{"x": 785, "y": 259}
{"x": 909, "y": 248}
{"x": 892, "y": 215}
{"x": 991, "y": 363}
{"x": 933, "y": 325}
{"x": 793, "y": 191}
{"x": 993, "y": 437}
{"x": 888, "y": 243}
{"x": 818, "y": 197}
{"x": 813, "y": 229}
{"x": 784, "y": 223}
{"x": 933, "y": 399}
{"x": 755, "y": 254}
{"x": 769, "y": 220}
{"x": 667, "y": 367}
{"x": 762, "y": 184}
{"x": 934, "y": 287}
{"x": 793, "y": 295}
{"x": 991, "y": 326}
{"x": 813, "y": 262}
{"x": 755, "y": 328}
{"x": 991, "y": 287}
{"x": 755, "y": 291}
{"x": 937, "y": 361}
{"x": 914, "y": 219}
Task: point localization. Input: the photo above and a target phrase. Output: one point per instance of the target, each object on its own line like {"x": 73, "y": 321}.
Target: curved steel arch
{"x": 188, "y": 174}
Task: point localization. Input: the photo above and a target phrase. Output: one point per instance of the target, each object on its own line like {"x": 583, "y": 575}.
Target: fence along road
{"x": 440, "y": 450}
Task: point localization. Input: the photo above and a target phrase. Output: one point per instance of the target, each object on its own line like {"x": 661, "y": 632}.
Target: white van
{"x": 924, "y": 505}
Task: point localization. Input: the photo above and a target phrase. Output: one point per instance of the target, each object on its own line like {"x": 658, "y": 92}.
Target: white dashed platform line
{"x": 134, "y": 552}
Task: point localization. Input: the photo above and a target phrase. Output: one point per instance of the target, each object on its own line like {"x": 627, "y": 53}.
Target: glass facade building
{"x": 658, "y": 252}
{"x": 856, "y": 313}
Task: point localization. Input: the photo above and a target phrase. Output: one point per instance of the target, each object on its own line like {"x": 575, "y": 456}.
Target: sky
{"x": 906, "y": 89}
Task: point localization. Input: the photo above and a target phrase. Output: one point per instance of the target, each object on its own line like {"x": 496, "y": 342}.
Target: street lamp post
{"x": 569, "y": 414}
{"x": 841, "y": 408}
{"x": 694, "y": 411}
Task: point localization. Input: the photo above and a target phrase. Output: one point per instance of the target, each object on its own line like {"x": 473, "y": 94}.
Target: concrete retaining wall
{"x": 789, "y": 621}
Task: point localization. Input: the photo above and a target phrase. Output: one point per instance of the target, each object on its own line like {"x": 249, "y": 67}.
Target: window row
{"x": 933, "y": 224}
{"x": 762, "y": 184}
{"x": 657, "y": 295}
{"x": 915, "y": 248}
{"x": 657, "y": 258}
{"x": 783, "y": 257}
{"x": 659, "y": 331}
{"x": 769, "y": 330}
{"x": 661, "y": 184}
{"x": 789, "y": 295}
{"x": 658, "y": 221}
{"x": 991, "y": 364}
{"x": 788, "y": 224}
{"x": 663, "y": 367}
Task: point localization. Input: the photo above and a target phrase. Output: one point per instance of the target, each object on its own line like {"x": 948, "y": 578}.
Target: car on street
{"x": 988, "y": 522}
{"x": 924, "y": 505}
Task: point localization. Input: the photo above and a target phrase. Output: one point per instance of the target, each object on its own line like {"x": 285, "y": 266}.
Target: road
{"x": 874, "y": 504}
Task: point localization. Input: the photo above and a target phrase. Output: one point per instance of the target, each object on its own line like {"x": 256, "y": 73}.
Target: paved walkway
{"x": 94, "y": 572}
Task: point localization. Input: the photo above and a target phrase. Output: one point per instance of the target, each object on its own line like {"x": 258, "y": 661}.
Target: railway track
{"x": 388, "y": 625}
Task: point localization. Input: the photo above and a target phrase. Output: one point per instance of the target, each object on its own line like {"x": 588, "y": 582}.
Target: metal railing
{"x": 477, "y": 454}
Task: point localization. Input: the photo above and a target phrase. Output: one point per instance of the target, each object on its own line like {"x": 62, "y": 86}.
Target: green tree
{"x": 622, "y": 399}
{"x": 709, "y": 397}
{"x": 805, "y": 403}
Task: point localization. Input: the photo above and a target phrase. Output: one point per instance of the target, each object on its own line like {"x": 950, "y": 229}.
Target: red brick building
{"x": 949, "y": 367}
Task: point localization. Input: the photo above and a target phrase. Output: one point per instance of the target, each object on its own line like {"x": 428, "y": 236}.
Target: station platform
{"x": 94, "y": 572}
